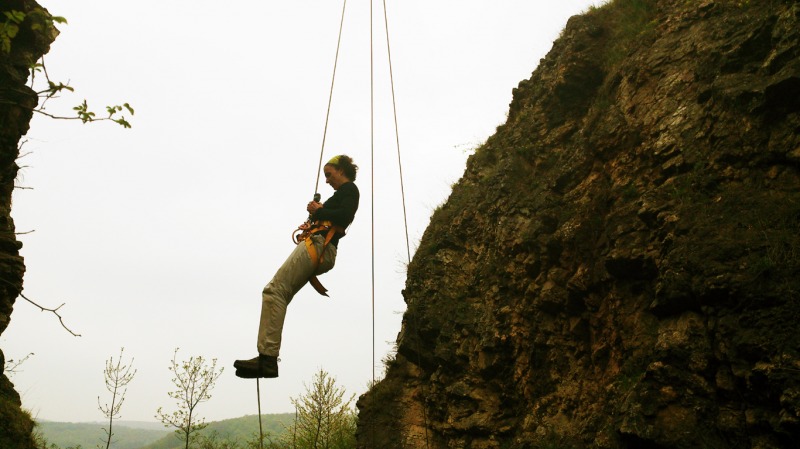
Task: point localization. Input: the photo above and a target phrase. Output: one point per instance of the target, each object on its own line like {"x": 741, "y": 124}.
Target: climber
{"x": 314, "y": 254}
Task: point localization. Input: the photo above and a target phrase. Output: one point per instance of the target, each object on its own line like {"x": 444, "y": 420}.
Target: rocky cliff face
{"x": 16, "y": 105}
{"x": 619, "y": 266}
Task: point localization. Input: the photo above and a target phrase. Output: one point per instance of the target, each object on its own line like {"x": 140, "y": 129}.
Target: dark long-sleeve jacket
{"x": 340, "y": 208}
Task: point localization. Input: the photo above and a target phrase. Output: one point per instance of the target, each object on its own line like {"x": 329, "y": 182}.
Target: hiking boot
{"x": 261, "y": 366}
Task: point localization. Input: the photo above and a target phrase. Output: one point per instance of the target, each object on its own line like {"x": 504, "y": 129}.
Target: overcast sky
{"x": 162, "y": 236}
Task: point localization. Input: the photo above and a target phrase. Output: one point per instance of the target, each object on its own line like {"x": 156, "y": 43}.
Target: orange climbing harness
{"x": 304, "y": 233}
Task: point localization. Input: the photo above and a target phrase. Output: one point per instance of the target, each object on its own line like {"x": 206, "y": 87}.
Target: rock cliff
{"x": 619, "y": 266}
{"x": 17, "y": 102}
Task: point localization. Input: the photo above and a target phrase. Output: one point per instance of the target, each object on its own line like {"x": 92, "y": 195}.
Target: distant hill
{"x": 127, "y": 435}
{"x": 235, "y": 430}
{"x": 153, "y": 435}
{"x": 147, "y": 425}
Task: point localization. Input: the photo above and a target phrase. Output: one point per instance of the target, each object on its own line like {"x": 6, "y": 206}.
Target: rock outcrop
{"x": 619, "y": 266}
{"x": 17, "y": 102}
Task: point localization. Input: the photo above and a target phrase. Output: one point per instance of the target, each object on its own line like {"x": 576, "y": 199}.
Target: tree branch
{"x": 55, "y": 312}
{"x": 13, "y": 365}
{"x": 43, "y": 309}
{"x": 61, "y": 117}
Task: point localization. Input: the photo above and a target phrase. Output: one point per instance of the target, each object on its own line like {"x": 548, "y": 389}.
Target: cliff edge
{"x": 17, "y": 102}
{"x": 619, "y": 266}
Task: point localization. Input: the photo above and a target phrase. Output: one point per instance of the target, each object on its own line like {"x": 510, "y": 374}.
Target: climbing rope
{"x": 402, "y": 194}
{"x": 316, "y": 185}
{"x": 372, "y": 193}
{"x": 396, "y": 132}
{"x": 330, "y": 96}
{"x": 372, "y": 173}
{"x": 260, "y": 426}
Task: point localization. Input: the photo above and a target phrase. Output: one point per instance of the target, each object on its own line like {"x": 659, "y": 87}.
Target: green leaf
{"x": 81, "y": 107}
{"x": 11, "y": 30}
{"x": 15, "y": 16}
{"x": 123, "y": 122}
{"x": 59, "y": 19}
{"x": 129, "y": 108}
{"x": 54, "y": 88}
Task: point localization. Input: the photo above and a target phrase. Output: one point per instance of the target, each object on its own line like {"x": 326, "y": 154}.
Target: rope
{"x": 372, "y": 195}
{"x": 260, "y": 427}
{"x": 402, "y": 194}
{"x": 396, "y": 132}
{"x": 330, "y": 96}
{"x": 372, "y": 174}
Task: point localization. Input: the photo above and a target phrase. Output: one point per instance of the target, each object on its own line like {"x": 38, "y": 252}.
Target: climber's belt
{"x": 329, "y": 230}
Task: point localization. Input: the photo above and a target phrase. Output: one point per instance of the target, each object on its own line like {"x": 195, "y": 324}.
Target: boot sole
{"x": 251, "y": 374}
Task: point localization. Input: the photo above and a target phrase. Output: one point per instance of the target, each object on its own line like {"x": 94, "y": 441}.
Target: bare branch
{"x": 60, "y": 117}
{"x": 12, "y": 366}
{"x": 45, "y": 309}
{"x": 19, "y": 148}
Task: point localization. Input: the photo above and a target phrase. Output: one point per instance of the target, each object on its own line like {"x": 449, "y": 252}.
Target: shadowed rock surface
{"x": 619, "y": 266}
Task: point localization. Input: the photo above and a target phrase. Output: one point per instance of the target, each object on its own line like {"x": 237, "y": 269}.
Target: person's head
{"x": 339, "y": 170}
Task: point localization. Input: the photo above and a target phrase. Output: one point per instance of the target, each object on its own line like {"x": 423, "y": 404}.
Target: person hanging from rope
{"x": 314, "y": 254}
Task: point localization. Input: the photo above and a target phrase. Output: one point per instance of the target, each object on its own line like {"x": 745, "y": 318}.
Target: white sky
{"x": 162, "y": 236}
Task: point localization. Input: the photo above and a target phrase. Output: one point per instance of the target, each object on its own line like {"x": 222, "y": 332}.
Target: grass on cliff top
{"x": 15, "y": 425}
{"x": 629, "y": 22}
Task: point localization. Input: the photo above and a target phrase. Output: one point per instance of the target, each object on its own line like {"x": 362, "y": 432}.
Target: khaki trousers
{"x": 278, "y": 293}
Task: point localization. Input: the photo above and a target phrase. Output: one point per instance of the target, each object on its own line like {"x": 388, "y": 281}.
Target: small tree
{"x": 117, "y": 377}
{"x": 194, "y": 381}
{"x": 324, "y": 419}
